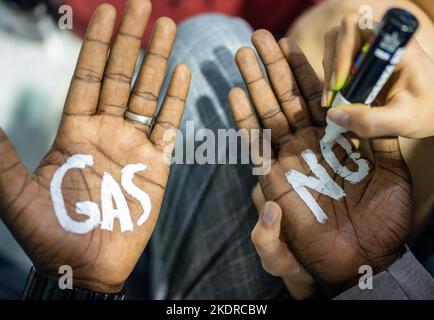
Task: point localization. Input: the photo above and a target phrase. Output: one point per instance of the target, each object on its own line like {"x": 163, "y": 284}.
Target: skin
{"x": 409, "y": 94}
{"x": 329, "y": 14}
{"x": 370, "y": 225}
{"x": 418, "y": 153}
{"x": 93, "y": 123}
{"x": 426, "y": 5}
{"x": 277, "y": 259}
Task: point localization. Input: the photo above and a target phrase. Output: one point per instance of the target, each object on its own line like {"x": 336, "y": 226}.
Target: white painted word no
{"x": 322, "y": 182}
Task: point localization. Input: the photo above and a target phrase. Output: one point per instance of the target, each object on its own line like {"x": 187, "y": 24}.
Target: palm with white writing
{"x": 371, "y": 223}
{"x": 93, "y": 124}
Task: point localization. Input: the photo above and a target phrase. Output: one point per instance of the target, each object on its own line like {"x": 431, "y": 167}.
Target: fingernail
{"x": 335, "y": 84}
{"x": 338, "y": 86}
{"x": 333, "y": 81}
{"x": 324, "y": 98}
{"x": 339, "y": 117}
{"x": 330, "y": 97}
{"x": 268, "y": 214}
{"x": 327, "y": 98}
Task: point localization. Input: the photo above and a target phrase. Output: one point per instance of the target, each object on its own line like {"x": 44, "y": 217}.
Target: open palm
{"x": 94, "y": 127}
{"x": 367, "y": 226}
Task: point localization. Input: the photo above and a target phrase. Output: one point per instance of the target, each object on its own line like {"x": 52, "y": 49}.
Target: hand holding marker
{"x": 410, "y": 95}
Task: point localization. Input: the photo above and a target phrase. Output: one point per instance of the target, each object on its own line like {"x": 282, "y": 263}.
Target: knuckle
{"x": 87, "y": 75}
{"x": 288, "y": 95}
{"x": 119, "y": 77}
{"x": 256, "y": 237}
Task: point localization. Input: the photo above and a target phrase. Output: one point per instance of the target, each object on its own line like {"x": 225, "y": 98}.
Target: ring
{"x": 138, "y": 118}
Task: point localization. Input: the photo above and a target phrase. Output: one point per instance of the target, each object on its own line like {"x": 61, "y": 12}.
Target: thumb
{"x": 275, "y": 255}
{"x": 266, "y": 233}
{"x": 370, "y": 122}
{"x": 13, "y": 175}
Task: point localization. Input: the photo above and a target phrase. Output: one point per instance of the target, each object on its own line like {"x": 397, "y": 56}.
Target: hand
{"x": 93, "y": 124}
{"x": 309, "y": 28}
{"x": 408, "y": 95}
{"x": 367, "y": 226}
{"x": 277, "y": 259}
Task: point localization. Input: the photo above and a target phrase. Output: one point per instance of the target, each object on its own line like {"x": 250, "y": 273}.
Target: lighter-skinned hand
{"x": 404, "y": 108}
{"x": 276, "y": 258}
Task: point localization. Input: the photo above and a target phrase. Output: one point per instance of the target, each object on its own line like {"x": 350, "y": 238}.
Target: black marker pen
{"x": 394, "y": 32}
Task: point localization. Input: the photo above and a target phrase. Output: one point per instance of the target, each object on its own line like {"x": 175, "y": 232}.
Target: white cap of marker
{"x": 333, "y": 130}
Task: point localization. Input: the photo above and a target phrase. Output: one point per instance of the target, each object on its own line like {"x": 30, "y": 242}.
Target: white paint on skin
{"x": 86, "y": 208}
{"x": 110, "y": 190}
{"x": 127, "y": 183}
{"x": 333, "y": 162}
{"x": 322, "y": 184}
{"x": 111, "y": 194}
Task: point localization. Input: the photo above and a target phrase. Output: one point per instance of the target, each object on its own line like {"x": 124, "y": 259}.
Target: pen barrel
{"x": 394, "y": 32}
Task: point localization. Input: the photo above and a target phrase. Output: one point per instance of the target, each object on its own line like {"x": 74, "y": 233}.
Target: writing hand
{"x": 405, "y": 107}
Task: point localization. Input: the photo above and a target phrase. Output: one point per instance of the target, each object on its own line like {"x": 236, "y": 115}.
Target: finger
{"x": 123, "y": 56}
{"x": 306, "y": 78}
{"x": 85, "y": 86}
{"x": 348, "y": 45}
{"x": 330, "y": 40}
{"x": 143, "y": 99}
{"x": 258, "y": 198}
{"x": 172, "y": 109}
{"x": 263, "y": 98}
{"x": 247, "y": 124}
{"x": 370, "y": 122}
{"x": 242, "y": 110}
{"x": 276, "y": 257}
{"x": 282, "y": 80}
{"x": 13, "y": 178}
{"x": 266, "y": 238}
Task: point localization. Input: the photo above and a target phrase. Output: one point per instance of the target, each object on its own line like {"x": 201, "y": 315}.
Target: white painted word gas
{"x": 323, "y": 183}
{"x": 110, "y": 191}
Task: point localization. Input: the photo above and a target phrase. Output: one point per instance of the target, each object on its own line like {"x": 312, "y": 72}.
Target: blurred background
{"x": 37, "y": 59}
{"x": 36, "y": 63}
